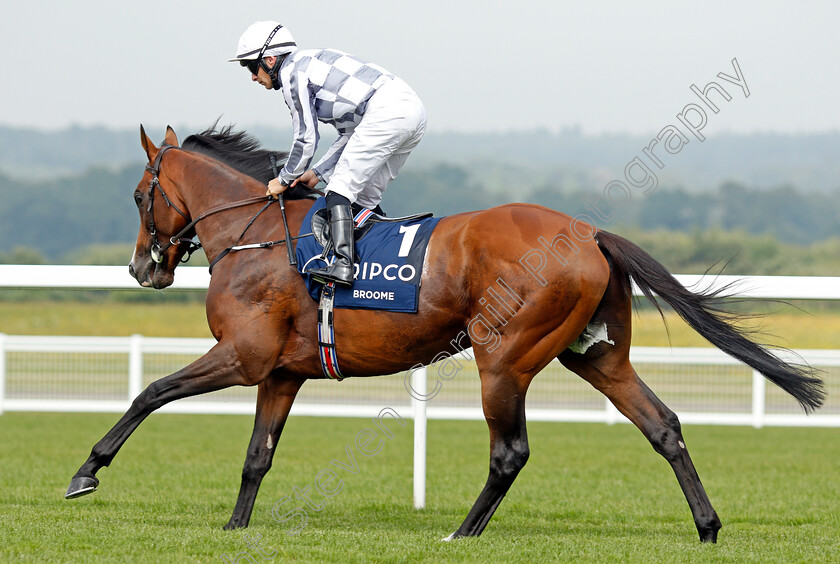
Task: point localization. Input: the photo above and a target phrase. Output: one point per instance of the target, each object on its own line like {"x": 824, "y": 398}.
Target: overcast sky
{"x": 478, "y": 65}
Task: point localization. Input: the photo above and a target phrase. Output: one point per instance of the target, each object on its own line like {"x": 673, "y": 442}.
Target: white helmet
{"x": 264, "y": 39}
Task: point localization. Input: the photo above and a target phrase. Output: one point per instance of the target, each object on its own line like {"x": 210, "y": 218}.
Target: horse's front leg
{"x": 274, "y": 400}
{"x": 218, "y": 369}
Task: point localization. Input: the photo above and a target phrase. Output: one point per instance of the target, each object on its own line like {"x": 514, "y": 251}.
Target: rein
{"x": 158, "y": 250}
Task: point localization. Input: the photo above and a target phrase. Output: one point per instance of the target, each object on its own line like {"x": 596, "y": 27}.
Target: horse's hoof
{"x": 709, "y": 536}
{"x": 81, "y": 485}
{"x": 449, "y": 538}
{"x": 709, "y": 532}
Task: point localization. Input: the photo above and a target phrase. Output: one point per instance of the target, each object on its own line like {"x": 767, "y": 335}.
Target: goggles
{"x": 253, "y": 65}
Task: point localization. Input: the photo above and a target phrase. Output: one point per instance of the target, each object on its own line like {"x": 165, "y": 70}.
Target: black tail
{"x": 703, "y": 312}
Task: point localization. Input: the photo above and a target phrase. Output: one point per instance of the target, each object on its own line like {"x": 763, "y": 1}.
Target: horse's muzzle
{"x": 144, "y": 280}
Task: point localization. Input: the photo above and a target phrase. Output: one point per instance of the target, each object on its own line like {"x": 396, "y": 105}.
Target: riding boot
{"x": 341, "y": 232}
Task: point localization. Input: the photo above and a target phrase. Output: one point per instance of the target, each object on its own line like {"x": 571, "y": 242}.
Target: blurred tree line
{"x": 90, "y": 218}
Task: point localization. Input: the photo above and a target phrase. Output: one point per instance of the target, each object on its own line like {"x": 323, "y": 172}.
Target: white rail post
{"x": 2, "y": 371}
{"x": 758, "y": 399}
{"x": 135, "y": 366}
{"x": 418, "y": 384}
{"x": 612, "y": 414}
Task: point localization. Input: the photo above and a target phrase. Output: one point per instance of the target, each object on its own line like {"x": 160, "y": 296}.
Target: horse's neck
{"x": 205, "y": 190}
{"x": 206, "y": 186}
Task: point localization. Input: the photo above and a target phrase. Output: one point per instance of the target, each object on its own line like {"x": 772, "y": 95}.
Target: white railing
{"x": 198, "y": 278}
{"x": 104, "y": 374}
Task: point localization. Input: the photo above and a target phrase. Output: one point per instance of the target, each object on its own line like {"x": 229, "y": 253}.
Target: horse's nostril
{"x": 131, "y": 270}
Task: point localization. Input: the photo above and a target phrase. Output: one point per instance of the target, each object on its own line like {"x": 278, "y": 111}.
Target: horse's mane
{"x": 242, "y": 151}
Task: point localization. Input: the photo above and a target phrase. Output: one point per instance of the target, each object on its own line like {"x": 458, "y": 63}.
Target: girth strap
{"x": 326, "y": 334}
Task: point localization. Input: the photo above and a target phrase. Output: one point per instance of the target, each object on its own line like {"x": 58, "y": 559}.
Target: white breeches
{"x": 393, "y": 124}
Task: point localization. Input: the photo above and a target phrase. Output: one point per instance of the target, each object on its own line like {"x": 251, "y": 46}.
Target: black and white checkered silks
{"x": 339, "y": 89}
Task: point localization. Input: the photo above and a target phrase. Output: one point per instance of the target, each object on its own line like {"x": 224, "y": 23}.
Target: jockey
{"x": 379, "y": 119}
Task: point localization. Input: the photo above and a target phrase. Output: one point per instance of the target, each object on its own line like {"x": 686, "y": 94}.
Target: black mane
{"x": 242, "y": 151}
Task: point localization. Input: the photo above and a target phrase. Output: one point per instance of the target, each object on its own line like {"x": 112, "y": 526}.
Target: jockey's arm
{"x": 308, "y": 179}
{"x": 324, "y": 168}
{"x": 305, "y": 126}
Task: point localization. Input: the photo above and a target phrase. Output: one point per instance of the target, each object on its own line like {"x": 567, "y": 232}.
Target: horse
{"x": 567, "y": 295}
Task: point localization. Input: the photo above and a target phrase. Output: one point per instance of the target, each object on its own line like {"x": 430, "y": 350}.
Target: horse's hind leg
{"x": 274, "y": 401}
{"x": 662, "y": 428}
{"x": 503, "y": 399}
{"x": 607, "y": 367}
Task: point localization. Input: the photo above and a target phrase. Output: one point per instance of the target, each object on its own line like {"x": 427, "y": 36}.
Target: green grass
{"x": 115, "y": 319}
{"x": 589, "y": 493}
{"x": 789, "y": 328}
{"x": 798, "y": 330}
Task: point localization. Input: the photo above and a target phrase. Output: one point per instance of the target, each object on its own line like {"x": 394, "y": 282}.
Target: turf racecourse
{"x": 590, "y": 492}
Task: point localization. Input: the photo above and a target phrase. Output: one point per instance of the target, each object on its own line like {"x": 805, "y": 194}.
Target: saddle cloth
{"x": 389, "y": 260}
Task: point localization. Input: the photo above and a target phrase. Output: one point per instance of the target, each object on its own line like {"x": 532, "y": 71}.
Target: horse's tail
{"x": 703, "y": 312}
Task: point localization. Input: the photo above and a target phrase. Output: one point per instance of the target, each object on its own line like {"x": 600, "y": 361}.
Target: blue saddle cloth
{"x": 389, "y": 263}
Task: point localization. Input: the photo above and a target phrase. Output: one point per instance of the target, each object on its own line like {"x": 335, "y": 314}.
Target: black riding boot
{"x": 341, "y": 232}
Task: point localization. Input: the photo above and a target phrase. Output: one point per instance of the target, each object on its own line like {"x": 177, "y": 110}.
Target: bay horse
{"x": 572, "y": 288}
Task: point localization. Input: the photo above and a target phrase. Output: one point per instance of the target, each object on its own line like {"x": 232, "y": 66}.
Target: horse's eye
{"x": 138, "y": 198}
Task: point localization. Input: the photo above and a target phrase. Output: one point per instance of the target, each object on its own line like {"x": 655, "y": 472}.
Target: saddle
{"x": 364, "y": 220}
{"x": 390, "y": 253}
{"x": 321, "y": 223}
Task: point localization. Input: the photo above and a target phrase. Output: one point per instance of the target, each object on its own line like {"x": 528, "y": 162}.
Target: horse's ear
{"x": 170, "y": 138}
{"x": 148, "y": 146}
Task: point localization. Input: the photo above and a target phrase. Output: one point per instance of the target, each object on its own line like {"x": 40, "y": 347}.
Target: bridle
{"x": 157, "y": 251}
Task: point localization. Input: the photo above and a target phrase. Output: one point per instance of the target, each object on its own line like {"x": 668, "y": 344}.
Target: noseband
{"x": 157, "y": 249}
